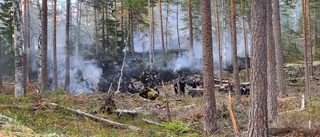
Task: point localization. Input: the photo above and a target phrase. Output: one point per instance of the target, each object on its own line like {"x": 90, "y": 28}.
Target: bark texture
{"x": 67, "y": 75}
{"x": 164, "y": 56}
{"x": 18, "y": 48}
{"x": 271, "y": 69}
{"x": 190, "y": 27}
{"x": 236, "y": 81}
{"x": 305, "y": 44}
{"x": 258, "y": 126}
{"x": 281, "y": 83}
{"x": 54, "y": 46}
{"x": 218, "y": 40}
{"x": 44, "y": 45}
{"x": 210, "y": 123}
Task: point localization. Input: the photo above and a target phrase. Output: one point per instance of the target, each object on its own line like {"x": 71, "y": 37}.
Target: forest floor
{"x": 34, "y": 115}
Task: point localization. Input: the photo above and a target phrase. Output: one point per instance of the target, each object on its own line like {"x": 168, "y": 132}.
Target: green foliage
{"x": 176, "y": 126}
{"x": 6, "y": 32}
{"x": 290, "y": 44}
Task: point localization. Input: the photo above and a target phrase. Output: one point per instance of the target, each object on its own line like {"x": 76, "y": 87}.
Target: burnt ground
{"x": 189, "y": 110}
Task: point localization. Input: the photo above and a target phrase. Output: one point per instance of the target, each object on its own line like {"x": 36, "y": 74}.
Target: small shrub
{"x": 176, "y": 126}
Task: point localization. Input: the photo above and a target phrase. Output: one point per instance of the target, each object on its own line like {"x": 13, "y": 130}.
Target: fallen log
{"x": 151, "y": 122}
{"x": 129, "y": 112}
{"x": 113, "y": 123}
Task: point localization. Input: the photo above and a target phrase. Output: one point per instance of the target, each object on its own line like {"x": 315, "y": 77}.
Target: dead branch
{"x": 179, "y": 99}
{"x": 168, "y": 109}
{"x": 235, "y": 127}
{"x": 81, "y": 113}
{"x": 121, "y": 71}
{"x": 151, "y": 122}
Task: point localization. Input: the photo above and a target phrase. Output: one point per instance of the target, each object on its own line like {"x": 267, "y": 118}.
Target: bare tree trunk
{"x": 28, "y": 41}
{"x": 271, "y": 68}
{"x": 245, "y": 41}
{"x": 167, "y": 24}
{"x": 1, "y": 45}
{"x": 164, "y": 56}
{"x": 190, "y": 27}
{"x": 218, "y": 41}
{"x": 18, "y": 48}
{"x": 96, "y": 29}
{"x": 210, "y": 122}
{"x": 258, "y": 119}
{"x": 234, "y": 51}
{"x": 79, "y": 12}
{"x": 150, "y": 36}
{"x": 25, "y": 46}
{"x": 305, "y": 44}
{"x": 310, "y": 46}
{"x": 122, "y": 23}
{"x": 67, "y": 77}
{"x": 116, "y": 29}
{"x": 107, "y": 29}
{"x": 281, "y": 83}
{"x": 103, "y": 30}
{"x": 178, "y": 35}
{"x": 153, "y": 22}
{"x": 55, "y": 66}
{"x": 44, "y": 43}
{"x": 130, "y": 40}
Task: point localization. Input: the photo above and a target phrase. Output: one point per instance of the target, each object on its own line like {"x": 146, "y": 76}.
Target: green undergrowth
{"x": 47, "y": 119}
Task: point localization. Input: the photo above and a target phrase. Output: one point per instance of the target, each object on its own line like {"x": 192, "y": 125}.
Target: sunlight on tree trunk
{"x": 245, "y": 42}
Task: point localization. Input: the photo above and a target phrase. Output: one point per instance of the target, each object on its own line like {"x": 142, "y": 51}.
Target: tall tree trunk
{"x": 245, "y": 41}
{"x": 315, "y": 35}
{"x": 116, "y": 29}
{"x": 107, "y": 29}
{"x": 96, "y": 29}
{"x": 150, "y": 35}
{"x": 178, "y": 35}
{"x": 1, "y": 64}
{"x": 122, "y": 23}
{"x": 167, "y": 24}
{"x": 67, "y": 77}
{"x": 130, "y": 40}
{"x": 218, "y": 41}
{"x": 190, "y": 27}
{"x": 310, "y": 46}
{"x": 153, "y": 22}
{"x": 258, "y": 120}
{"x": 103, "y": 30}
{"x": 210, "y": 122}
{"x": 55, "y": 66}
{"x": 44, "y": 42}
{"x": 281, "y": 83}
{"x": 28, "y": 41}
{"x": 18, "y": 48}
{"x": 271, "y": 68}
{"x": 25, "y": 46}
{"x": 234, "y": 51}
{"x": 305, "y": 44}
{"x": 164, "y": 56}
{"x": 79, "y": 14}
